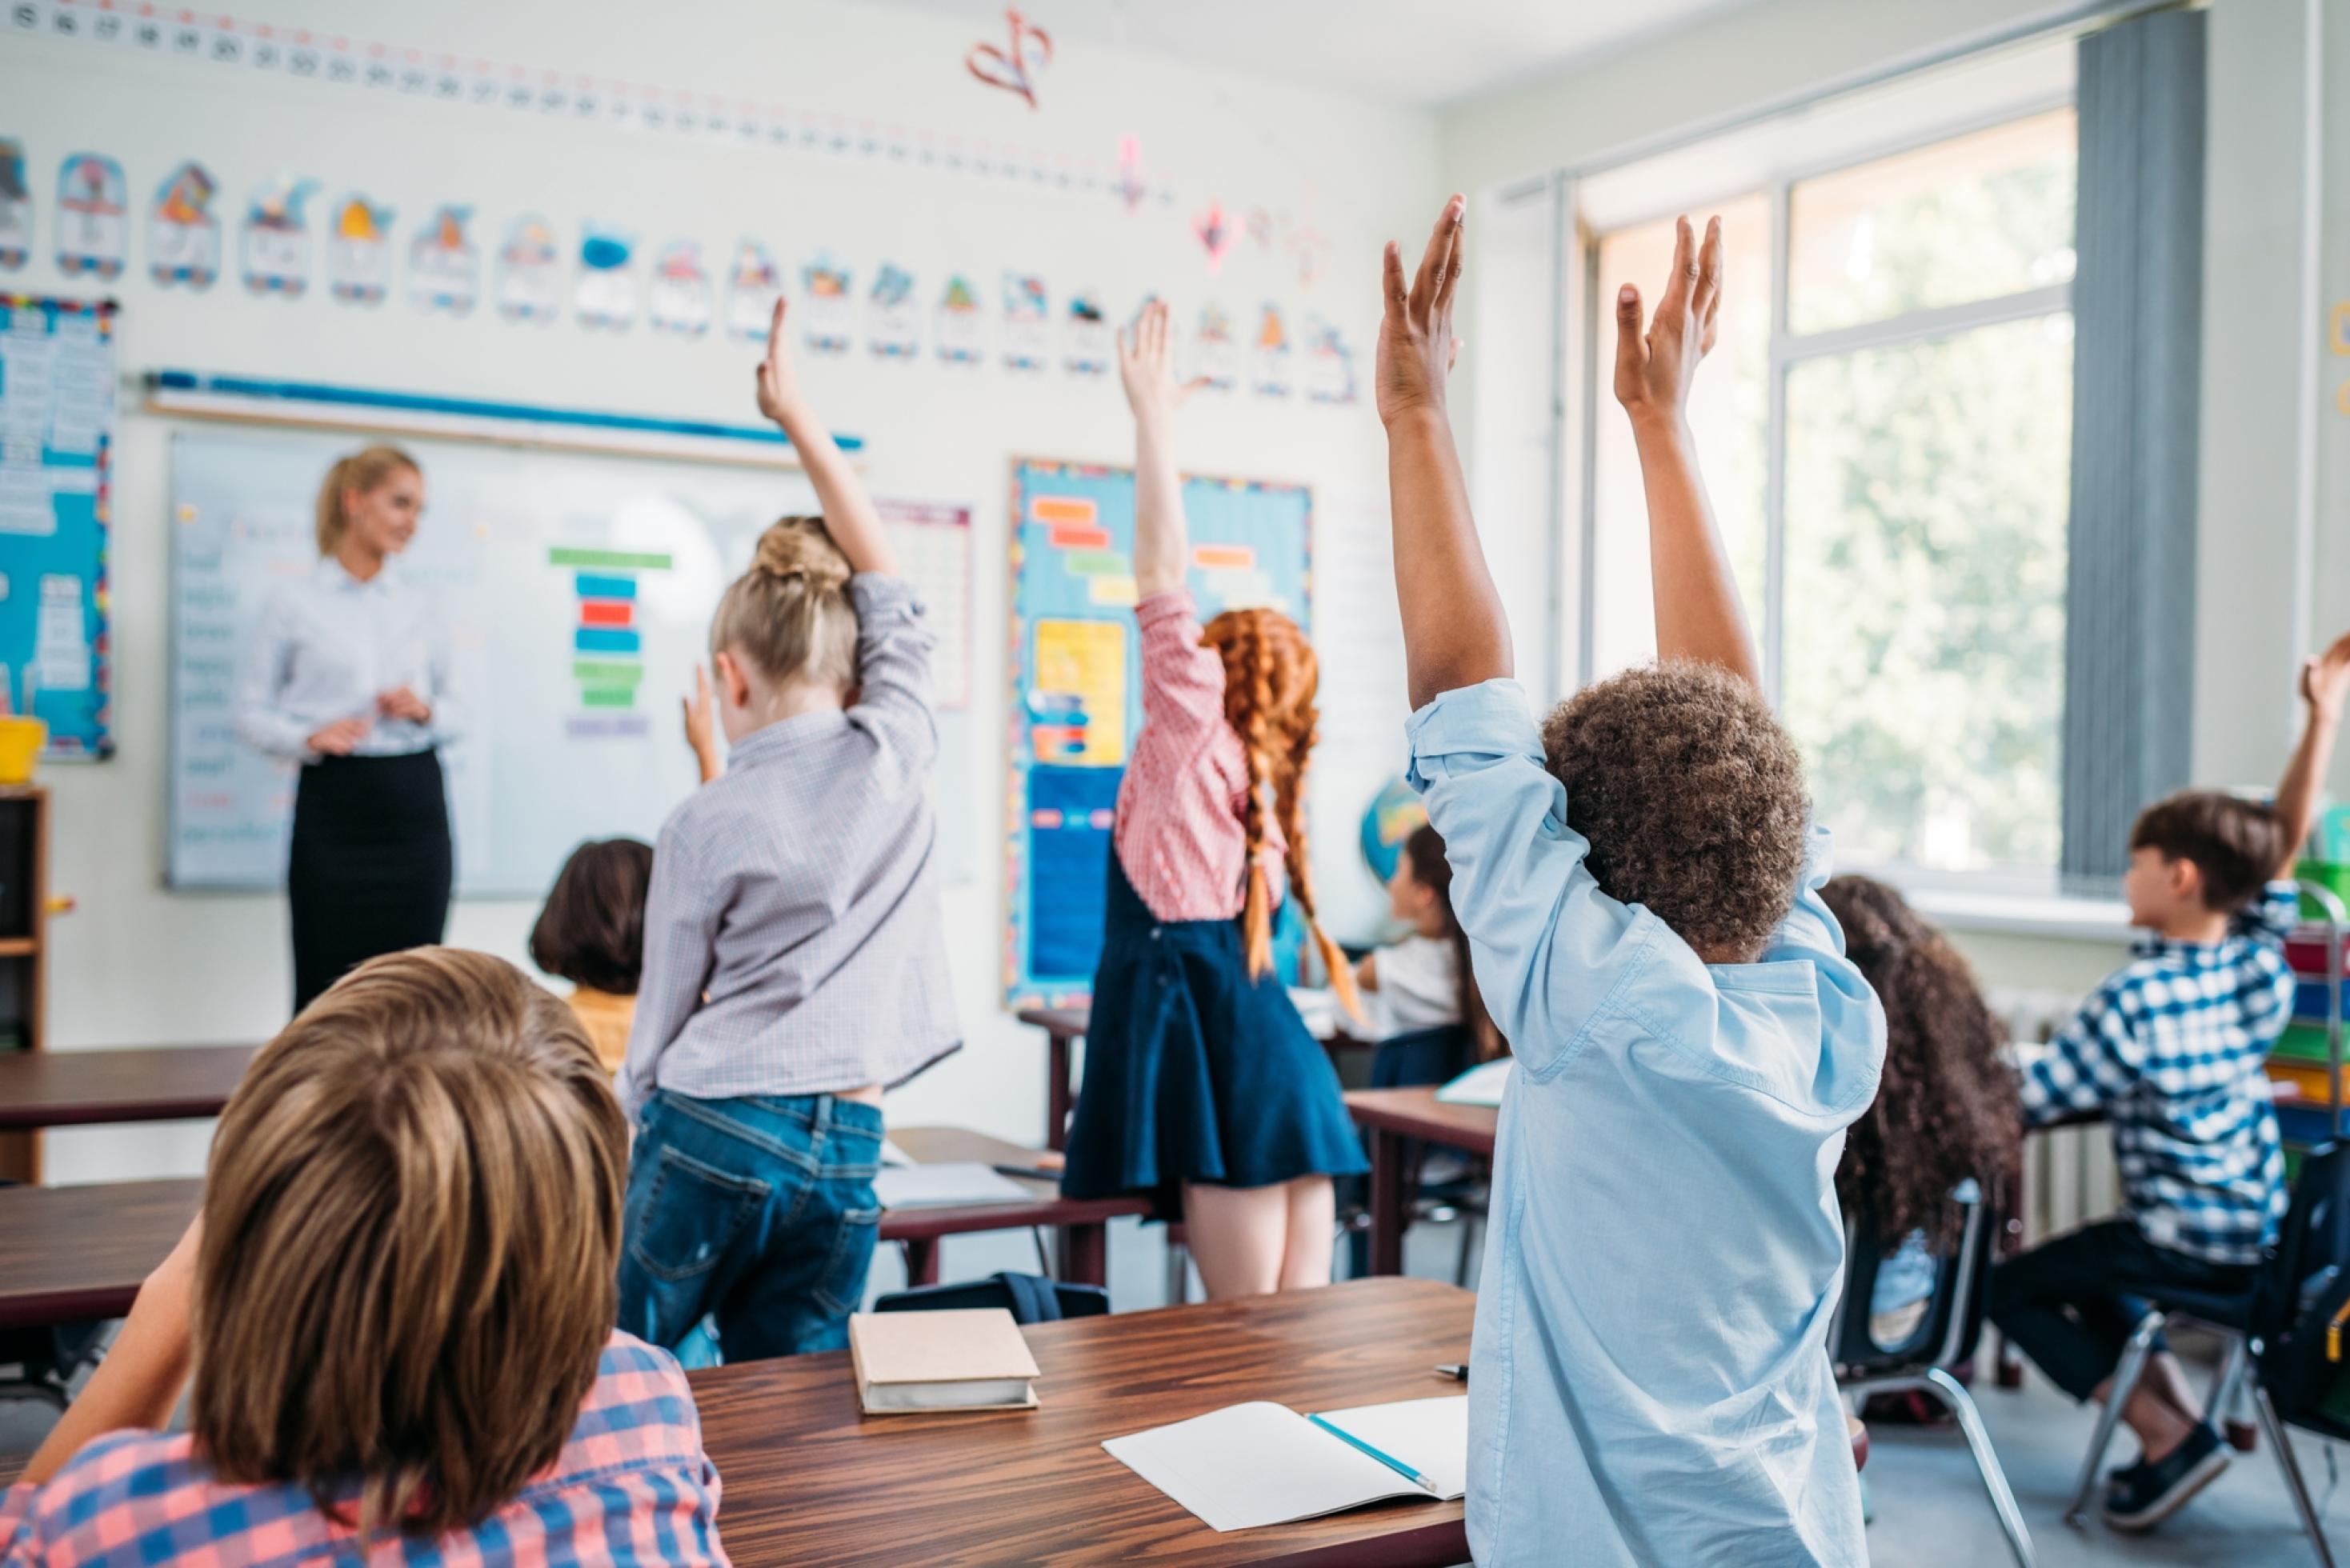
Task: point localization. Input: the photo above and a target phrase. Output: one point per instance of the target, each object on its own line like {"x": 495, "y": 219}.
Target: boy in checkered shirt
{"x": 2170, "y": 1049}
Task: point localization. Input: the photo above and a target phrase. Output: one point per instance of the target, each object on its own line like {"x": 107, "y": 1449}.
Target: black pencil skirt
{"x": 371, "y": 864}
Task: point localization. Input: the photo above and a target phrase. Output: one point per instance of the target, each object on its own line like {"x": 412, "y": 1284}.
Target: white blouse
{"x": 326, "y": 646}
{"x": 1418, "y": 986}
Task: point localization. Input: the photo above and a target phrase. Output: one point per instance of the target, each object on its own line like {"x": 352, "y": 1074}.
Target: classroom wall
{"x": 136, "y": 965}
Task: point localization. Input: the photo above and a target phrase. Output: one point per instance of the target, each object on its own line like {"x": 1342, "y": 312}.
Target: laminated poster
{"x": 1027, "y": 324}
{"x": 1085, "y": 336}
{"x": 830, "y": 320}
{"x": 1215, "y": 356}
{"x": 1330, "y": 366}
{"x": 893, "y": 322}
{"x": 1269, "y": 359}
{"x": 274, "y": 245}
{"x": 678, "y": 299}
{"x": 444, "y": 270}
{"x": 961, "y": 328}
{"x": 16, "y": 207}
{"x": 184, "y": 236}
{"x": 530, "y": 272}
{"x": 93, "y": 223}
{"x": 753, "y": 287}
{"x": 605, "y": 294}
{"x": 358, "y": 251}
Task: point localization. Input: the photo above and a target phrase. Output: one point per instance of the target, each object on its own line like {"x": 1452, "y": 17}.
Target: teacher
{"x": 350, "y": 675}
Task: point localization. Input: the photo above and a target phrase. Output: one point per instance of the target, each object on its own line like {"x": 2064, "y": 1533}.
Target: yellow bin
{"x": 20, "y": 748}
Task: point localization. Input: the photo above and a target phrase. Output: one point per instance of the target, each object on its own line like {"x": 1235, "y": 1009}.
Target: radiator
{"x": 2069, "y": 1177}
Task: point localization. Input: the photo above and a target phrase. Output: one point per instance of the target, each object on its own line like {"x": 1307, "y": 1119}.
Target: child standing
{"x": 1202, "y": 1084}
{"x": 1651, "y": 1373}
{"x": 795, "y": 961}
{"x": 2172, "y": 1048}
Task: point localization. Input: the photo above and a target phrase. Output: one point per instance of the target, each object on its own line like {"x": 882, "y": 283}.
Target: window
{"x": 1887, "y": 417}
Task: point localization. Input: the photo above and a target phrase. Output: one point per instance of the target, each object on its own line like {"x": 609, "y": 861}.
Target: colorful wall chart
{"x": 57, "y": 428}
{"x": 1076, "y": 688}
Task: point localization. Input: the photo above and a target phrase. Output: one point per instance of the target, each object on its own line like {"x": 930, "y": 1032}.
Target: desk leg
{"x": 1084, "y": 1254}
{"x": 1386, "y": 1203}
{"x": 1057, "y": 1093}
{"x": 921, "y": 1260}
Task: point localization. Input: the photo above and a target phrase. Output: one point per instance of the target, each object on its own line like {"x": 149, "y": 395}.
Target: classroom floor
{"x": 1930, "y": 1511}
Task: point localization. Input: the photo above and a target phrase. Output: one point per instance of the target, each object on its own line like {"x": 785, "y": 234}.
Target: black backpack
{"x": 2305, "y": 1320}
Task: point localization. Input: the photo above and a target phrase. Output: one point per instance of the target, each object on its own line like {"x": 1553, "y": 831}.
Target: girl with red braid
{"x": 1202, "y": 1086}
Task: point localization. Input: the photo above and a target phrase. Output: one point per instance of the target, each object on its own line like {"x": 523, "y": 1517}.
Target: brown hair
{"x": 1946, "y": 1109}
{"x": 411, "y": 1224}
{"x": 1271, "y": 677}
{"x": 592, "y": 930}
{"x": 1690, "y": 796}
{"x": 790, "y": 613}
{"x": 2237, "y": 845}
{"x": 361, "y": 470}
{"x": 1425, "y": 852}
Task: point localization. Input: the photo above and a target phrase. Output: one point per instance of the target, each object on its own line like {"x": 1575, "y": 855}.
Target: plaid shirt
{"x": 632, "y": 1486}
{"x": 2171, "y": 1047}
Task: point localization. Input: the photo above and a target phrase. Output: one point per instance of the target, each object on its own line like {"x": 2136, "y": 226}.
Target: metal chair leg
{"x": 2286, "y": 1462}
{"x": 1044, "y": 1252}
{"x": 2125, "y": 1376}
{"x": 1472, "y": 1227}
{"x": 1179, "y": 1272}
{"x": 2002, "y": 1499}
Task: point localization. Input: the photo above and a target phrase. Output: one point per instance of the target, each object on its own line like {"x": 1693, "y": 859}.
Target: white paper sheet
{"x": 946, "y": 1185}
{"x": 1250, "y": 1465}
{"x": 1480, "y": 1086}
{"x": 1430, "y": 1435}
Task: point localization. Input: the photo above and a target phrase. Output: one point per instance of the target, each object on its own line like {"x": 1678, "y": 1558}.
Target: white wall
{"x": 135, "y": 964}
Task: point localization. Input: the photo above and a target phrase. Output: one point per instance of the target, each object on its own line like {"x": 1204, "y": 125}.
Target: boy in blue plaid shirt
{"x": 2170, "y": 1048}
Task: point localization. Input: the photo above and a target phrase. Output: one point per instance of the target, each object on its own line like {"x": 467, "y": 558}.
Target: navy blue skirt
{"x": 1193, "y": 1071}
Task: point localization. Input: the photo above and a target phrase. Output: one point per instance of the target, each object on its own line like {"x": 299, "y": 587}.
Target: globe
{"x": 1393, "y": 815}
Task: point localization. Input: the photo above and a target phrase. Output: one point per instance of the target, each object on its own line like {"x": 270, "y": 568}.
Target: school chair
{"x": 2313, "y": 1243}
{"x": 1924, "y": 1362}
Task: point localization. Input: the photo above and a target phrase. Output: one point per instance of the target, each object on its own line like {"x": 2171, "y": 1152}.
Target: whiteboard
{"x": 572, "y": 732}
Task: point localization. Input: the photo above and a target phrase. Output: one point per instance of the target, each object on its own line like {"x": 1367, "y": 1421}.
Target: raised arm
{"x": 1162, "y": 545}
{"x": 2324, "y": 681}
{"x": 1454, "y": 631}
{"x": 848, "y": 514}
{"x": 1697, "y": 611}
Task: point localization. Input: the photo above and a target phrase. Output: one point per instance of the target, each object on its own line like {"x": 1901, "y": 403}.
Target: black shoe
{"x": 2144, "y": 1495}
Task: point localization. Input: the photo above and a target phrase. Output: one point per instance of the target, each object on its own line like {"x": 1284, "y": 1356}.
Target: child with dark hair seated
{"x": 592, "y": 933}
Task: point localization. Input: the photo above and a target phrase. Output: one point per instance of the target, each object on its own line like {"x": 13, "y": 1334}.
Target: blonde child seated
{"x": 398, "y": 1306}
{"x": 592, "y": 933}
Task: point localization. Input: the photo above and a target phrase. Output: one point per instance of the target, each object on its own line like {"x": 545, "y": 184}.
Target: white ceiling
{"x": 1424, "y": 52}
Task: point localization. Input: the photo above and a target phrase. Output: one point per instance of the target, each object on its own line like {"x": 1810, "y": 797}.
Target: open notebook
{"x": 1480, "y": 1086}
{"x": 1247, "y": 1465}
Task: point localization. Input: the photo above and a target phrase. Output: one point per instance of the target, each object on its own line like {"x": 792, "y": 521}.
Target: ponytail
{"x": 361, "y": 470}
{"x": 790, "y": 614}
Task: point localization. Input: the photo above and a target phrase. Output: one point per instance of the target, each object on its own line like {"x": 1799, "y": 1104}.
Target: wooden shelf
{"x": 18, "y": 946}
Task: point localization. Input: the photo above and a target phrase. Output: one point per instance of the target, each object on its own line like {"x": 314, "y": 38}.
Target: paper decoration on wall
{"x": 960, "y": 326}
{"x": 358, "y": 251}
{"x": 1132, "y": 187}
{"x": 1085, "y": 338}
{"x": 444, "y": 270}
{"x": 606, "y": 293}
{"x": 893, "y": 322}
{"x": 827, "y": 319}
{"x": 530, "y": 272}
{"x": 93, "y": 225}
{"x": 1259, "y": 228}
{"x": 1027, "y": 325}
{"x": 679, "y": 301}
{"x": 16, "y": 207}
{"x": 184, "y": 237}
{"x": 1308, "y": 246}
{"x": 1013, "y": 68}
{"x": 753, "y": 286}
{"x": 1213, "y": 230}
{"x": 1269, "y": 360}
{"x": 274, "y": 244}
{"x": 1329, "y": 364}
{"x": 1215, "y": 356}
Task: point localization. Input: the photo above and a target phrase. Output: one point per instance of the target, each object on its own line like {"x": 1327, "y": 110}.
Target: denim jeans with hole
{"x": 757, "y": 1212}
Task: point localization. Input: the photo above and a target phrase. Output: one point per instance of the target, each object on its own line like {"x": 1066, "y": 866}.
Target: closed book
{"x": 940, "y": 1361}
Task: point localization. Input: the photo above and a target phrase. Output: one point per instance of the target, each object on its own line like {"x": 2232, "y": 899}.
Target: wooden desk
{"x": 1082, "y": 1223}
{"x": 1064, "y": 1027}
{"x": 1397, "y": 1118}
{"x": 808, "y": 1481}
{"x": 69, "y": 1254}
{"x": 151, "y": 1083}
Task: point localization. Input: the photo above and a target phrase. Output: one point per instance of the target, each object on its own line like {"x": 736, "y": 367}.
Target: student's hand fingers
{"x": 1673, "y": 304}
{"x": 1453, "y": 358}
{"x": 1456, "y": 255}
{"x": 776, "y": 331}
{"x": 1392, "y": 285}
{"x": 1434, "y": 261}
{"x": 1707, "y": 298}
{"x": 1631, "y": 344}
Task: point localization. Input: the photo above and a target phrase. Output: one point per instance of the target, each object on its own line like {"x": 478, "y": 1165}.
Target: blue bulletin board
{"x": 57, "y": 427}
{"x": 1077, "y": 687}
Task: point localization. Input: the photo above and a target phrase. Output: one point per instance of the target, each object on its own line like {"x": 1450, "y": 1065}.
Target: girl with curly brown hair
{"x": 1203, "y": 1086}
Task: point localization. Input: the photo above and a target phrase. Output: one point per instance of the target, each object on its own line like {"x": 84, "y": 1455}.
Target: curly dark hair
{"x": 1946, "y": 1108}
{"x": 1692, "y": 799}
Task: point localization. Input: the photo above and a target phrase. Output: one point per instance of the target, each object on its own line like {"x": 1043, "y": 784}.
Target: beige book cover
{"x": 940, "y": 1361}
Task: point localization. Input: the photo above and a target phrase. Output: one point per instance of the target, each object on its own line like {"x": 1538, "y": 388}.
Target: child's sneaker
{"x": 2144, "y": 1495}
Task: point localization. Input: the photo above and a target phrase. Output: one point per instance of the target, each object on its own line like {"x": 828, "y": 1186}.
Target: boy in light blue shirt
{"x": 1650, "y": 1381}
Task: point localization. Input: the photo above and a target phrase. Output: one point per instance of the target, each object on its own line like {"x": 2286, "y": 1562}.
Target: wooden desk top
{"x": 74, "y": 1252}
{"x": 1418, "y": 1113}
{"x": 1065, "y": 1023}
{"x": 149, "y": 1084}
{"x": 933, "y": 1146}
{"x": 809, "y": 1480}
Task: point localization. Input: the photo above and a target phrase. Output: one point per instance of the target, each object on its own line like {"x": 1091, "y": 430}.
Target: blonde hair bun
{"x": 790, "y": 613}
{"x": 800, "y": 547}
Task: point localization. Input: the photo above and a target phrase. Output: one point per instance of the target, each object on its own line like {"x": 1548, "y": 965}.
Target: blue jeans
{"x": 759, "y": 1211}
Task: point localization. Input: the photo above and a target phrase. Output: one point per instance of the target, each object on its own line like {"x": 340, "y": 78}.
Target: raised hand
{"x": 2325, "y": 679}
{"x": 1146, "y": 365}
{"x": 702, "y": 726}
{"x": 1654, "y": 369}
{"x": 779, "y": 385}
{"x": 337, "y": 739}
{"x": 1417, "y": 349}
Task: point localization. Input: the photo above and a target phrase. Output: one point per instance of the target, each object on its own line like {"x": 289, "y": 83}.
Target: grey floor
{"x": 1929, "y": 1508}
